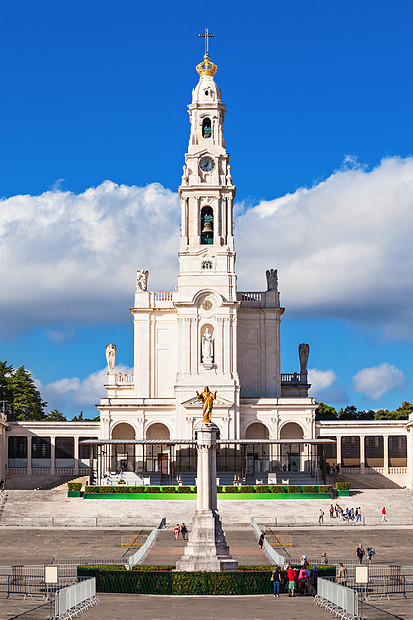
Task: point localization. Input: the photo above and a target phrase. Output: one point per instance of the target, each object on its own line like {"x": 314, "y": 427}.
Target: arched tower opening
{"x": 207, "y": 226}
{"x": 206, "y": 128}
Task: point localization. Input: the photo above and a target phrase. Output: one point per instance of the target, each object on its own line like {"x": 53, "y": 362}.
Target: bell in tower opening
{"x": 206, "y": 128}
{"x": 207, "y": 226}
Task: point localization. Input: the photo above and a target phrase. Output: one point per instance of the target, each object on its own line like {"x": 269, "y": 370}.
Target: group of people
{"x": 360, "y": 553}
{"x": 180, "y": 529}
{"x": 303, "y": 580}
{"x": 349, "y": 514}
{"x": 333, "y": 470}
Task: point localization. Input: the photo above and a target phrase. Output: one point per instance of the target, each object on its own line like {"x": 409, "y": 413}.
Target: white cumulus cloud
{"x": 73, "y": 257}
{"x": 342, "y": 249}
{"x": 375, "y": 381}
{"x": 71, "y": 395}
{"x": 320, "y": 379}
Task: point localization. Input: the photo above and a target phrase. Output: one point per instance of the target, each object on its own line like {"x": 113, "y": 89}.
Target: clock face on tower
{"x": 206, "y": 163}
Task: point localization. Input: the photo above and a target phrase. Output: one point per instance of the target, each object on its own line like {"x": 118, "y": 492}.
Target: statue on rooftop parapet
{"x": 207, "y": 398}
{"x": 111, "y": 356}
{"x": 303, "y": 354}
{"x": 272, "y": 279}
{"x": 142, "y": 280}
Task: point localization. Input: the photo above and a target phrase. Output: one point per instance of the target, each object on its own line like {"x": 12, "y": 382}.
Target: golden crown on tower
{"x": 206, "y": 67}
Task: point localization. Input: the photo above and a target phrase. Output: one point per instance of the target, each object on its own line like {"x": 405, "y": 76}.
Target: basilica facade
{"x": 207, "y": 333}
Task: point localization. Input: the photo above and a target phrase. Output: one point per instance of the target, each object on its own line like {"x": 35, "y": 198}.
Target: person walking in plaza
{"x": 370, "y": 553}
{"x": 324, "y": 559}
{"x": 331, "y": 511}
{"x": 359, "y": 514}
{"x": 177, "y": 529}
{"x": 261, "y": 540}
{"x": 276, "y": 579}
{"x": 360, "y": 553}
{"x": 342, "y": 574}
{"x": 383, "y": 515}
{"x": 321, "y": 517}
{"x": 302, "y": 580}
{"x": 184, "y": 531}
{"x": 313, "y": 580}
{"x": 291, "y": 576}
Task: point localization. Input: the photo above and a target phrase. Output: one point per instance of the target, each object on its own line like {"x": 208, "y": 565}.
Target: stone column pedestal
{"x": 207, "y": 548}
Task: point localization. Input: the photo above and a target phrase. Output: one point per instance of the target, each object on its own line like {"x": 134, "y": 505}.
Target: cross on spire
{"x": 206, "y": 34}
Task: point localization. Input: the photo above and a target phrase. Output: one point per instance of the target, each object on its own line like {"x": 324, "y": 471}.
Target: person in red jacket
{"x": 291, "y": 576}
{"x": 383, "y": 515}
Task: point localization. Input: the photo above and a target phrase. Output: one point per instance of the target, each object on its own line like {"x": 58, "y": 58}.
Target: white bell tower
{"x": 206, "y": 299}
{"x": 207, "y": 195}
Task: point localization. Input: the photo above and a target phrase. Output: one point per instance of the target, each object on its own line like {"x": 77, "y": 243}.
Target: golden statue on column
{"x": 207, "y": 398}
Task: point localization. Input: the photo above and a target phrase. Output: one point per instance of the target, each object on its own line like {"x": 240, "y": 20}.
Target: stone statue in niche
{"x": 111, "y": 356}
{"x": 207, "y": 398}
{"x": 272, "y": 279}
{"x": 303, "y": 354}
{"x": 185, "y": 176}
{"x": 142, "y": 280}
{"x": 207, "y": 352}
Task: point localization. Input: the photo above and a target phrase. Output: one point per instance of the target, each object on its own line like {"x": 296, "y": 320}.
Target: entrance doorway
{"x": 163, "y": 463}
{"x": 293, "y": 462}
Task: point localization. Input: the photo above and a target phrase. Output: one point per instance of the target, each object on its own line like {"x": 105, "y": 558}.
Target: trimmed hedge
{"x": 186, "y": 489}
{"x": 247, "y": 489}
{"x": 74, "y": 486}
{"x": 309, "y": 489}
{"x": 325, "y": 489}
{"x": 262, "y": 488}
{"x": 278, "y": 489}
{"x": 340, "y": 486}
{"x": 166, "y": 580}
{"x": 293, "y": 489}
{"x": 231, "y": 489}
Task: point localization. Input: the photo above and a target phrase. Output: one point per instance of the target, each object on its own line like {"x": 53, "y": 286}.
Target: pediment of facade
{"x": 219, "y": 403}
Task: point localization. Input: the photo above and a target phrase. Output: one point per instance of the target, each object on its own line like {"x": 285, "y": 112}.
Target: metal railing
{"x": 273, "y": 556}
{"x": 132, "y": 540}
{"x": 74, "y": 599}
{"x": 338, "y": 599}
{"x": 73, "y": 522}
{"x": 140, "y": 555}
{"x": 279, "y": 540}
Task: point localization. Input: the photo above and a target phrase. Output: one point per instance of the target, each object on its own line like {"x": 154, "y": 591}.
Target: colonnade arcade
{"x": 166, "y": 461}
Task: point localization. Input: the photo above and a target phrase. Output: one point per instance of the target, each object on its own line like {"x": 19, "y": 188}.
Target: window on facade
{"x": 65, "y": 447}
{"x": 374, "y": 451}
{"x": 330, "y": 451}
{"x": 206, "y": 128}
{"x": 207, "y": 264}
{"x": 207, "y": 226}
{"x": 350, "y": 451}
{"x": 17, "y": 447}
{"x": 398, "y": 451}
{"x": 84, "y": 449}
{"x": 40, "y": 447}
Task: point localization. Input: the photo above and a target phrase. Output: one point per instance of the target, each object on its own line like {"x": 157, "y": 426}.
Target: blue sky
{"x": 320, "y": 137}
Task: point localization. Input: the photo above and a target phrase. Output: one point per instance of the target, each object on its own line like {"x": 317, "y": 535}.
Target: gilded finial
{"x": 206, "y": 67}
